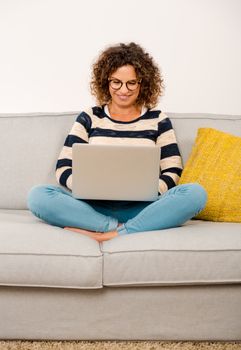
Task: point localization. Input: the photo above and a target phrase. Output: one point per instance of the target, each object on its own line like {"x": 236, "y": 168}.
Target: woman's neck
{"x": 125, "y": 114}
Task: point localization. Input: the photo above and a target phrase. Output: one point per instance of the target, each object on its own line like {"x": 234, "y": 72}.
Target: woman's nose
{"x": 124, "y": 88}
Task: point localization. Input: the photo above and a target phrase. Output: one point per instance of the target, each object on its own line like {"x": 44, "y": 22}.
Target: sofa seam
{"x": 175, "y": 250}
{"x": 27, "y": 285}
{"x": 56, "y": 255}
{"x": 103, "y": 262}
{"x": 198, "y": 282}
{"x": 38, "y": 114}
{"x": 190, "y": 115}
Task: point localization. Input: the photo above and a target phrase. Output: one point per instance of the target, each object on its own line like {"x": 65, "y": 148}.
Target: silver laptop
{"x": 119, "y": 172}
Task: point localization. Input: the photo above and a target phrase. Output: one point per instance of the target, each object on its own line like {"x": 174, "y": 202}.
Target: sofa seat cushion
{"x": 33, "y": 253}
{"x": 199, "y": 252}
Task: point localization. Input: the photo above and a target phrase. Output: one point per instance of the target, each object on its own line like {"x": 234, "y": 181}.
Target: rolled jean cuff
{"x": 112, "y": 224}
{"x": 121, "y": 230}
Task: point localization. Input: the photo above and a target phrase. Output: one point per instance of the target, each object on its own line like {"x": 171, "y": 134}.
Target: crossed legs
{"x": 56, "y": 206}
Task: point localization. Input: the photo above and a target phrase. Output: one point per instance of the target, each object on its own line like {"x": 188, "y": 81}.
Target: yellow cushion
{"x": 215, "y": 163}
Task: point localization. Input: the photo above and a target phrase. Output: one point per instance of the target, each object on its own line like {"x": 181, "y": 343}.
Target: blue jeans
{"x": 56, "y": 206}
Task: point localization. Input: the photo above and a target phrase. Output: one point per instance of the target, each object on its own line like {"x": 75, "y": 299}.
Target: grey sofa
{"x": 176, "y": 284}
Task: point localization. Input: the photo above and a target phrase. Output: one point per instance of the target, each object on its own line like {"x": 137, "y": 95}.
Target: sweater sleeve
{"x": 79, "y": 133}
{"x": 170, "y": 159}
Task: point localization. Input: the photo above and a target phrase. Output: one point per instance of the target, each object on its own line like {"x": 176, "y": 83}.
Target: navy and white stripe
{"x": 95, "y": 126}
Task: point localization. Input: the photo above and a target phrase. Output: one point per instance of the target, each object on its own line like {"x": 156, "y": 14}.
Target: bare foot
{"x": 82, "y": 231}
{"x": 106, "y": 236}
{"x": 98, "y": 236}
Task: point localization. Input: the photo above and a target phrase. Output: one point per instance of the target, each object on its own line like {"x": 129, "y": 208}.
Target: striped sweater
{"x": 95, "y": 126}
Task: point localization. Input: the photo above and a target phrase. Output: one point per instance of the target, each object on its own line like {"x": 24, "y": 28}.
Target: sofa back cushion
{"x": 31, "y": 143}
{"x": 187, "y": 124}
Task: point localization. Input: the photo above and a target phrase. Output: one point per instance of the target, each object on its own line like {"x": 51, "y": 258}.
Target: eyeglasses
{"x": 131, "y": 85}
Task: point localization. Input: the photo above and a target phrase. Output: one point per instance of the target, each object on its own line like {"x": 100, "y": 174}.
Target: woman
{"x": 127, "y": 84}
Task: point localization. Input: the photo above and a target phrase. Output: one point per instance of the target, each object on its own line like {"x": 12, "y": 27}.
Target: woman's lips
{"x": 123, "y": 97}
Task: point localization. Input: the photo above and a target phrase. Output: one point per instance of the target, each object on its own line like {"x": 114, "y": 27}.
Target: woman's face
{"x": 124, "y": 86}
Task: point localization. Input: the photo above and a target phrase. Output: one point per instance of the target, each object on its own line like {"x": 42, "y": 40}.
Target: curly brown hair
{"x": 120, "y": 55}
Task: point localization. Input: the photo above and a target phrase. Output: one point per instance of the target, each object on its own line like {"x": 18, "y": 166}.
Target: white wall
{"x": 48, "y": 46}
